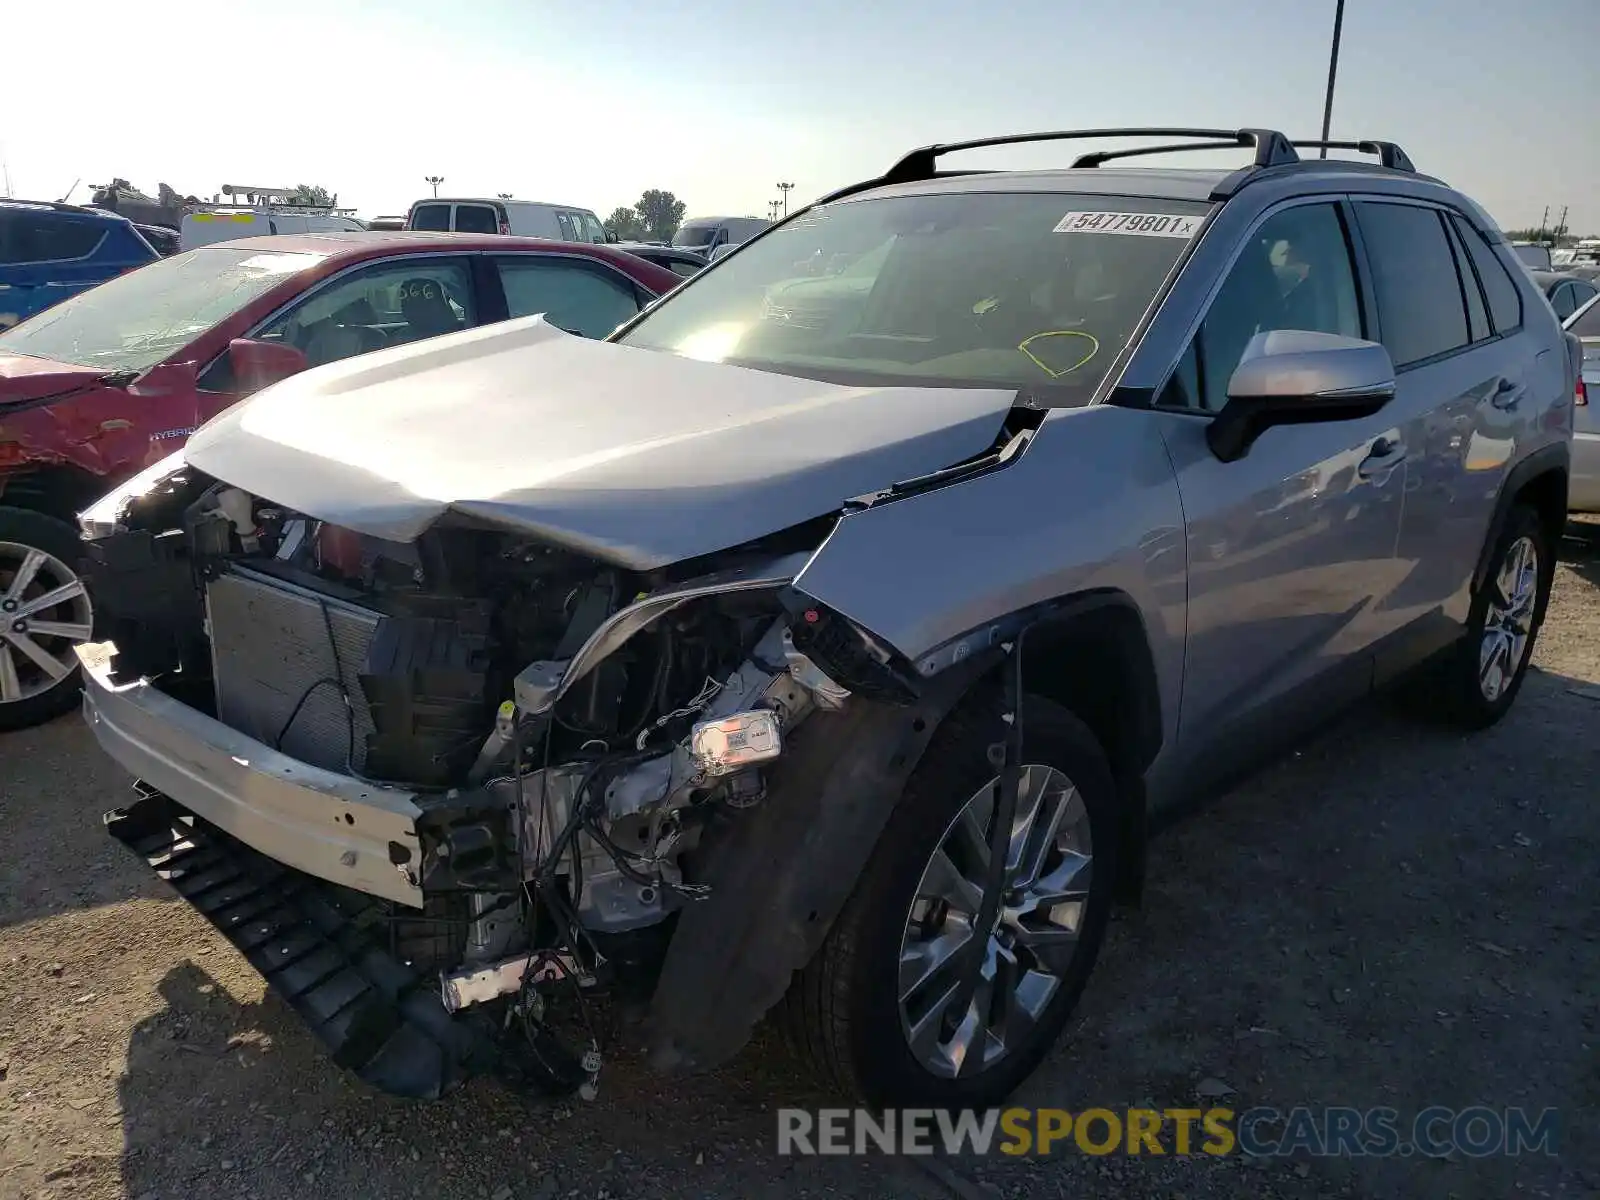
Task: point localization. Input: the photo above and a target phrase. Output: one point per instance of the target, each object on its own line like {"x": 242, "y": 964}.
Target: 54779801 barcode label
{"x": 1138, "y": 224}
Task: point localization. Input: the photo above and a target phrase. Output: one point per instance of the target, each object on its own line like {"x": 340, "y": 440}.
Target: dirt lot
{"x": 1394, "y": 916}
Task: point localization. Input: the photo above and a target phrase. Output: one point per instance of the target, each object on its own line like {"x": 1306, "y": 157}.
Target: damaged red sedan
{"x": 110, "y": 381}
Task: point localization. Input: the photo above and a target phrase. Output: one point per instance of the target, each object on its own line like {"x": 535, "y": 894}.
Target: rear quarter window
{"x": 1505, "y": 300}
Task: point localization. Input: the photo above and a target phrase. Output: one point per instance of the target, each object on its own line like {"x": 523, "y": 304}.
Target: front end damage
{"x": 444, "y": 792}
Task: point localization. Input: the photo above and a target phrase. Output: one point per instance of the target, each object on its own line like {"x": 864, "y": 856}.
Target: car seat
{"x": 427, "y": 309}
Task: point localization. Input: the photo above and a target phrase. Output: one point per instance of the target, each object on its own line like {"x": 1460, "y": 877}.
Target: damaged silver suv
{"x": 820, "y": 643}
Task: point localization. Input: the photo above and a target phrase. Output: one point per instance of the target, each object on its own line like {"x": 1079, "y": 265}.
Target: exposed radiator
{"x": 269, "y": 648}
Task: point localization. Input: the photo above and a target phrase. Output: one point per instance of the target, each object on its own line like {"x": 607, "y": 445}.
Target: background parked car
{"x": 163, "y": 241}
{"x": 678, "y": 261}
{"x": 1533, "y": 255}
{"x": 1566, "y": 290}
{"x": 113, "y": 380}
{"x": 520, "y": 218}
{"x": 704, "y": 235}
{"x": 1584, "y": 496}
{"x": 51, "y": 251}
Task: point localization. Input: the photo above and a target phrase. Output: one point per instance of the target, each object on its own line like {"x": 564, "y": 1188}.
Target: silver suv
{"x": 822, "y": 642}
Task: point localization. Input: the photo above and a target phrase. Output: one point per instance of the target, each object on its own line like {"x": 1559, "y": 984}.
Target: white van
{"x": 225, "y": 224}
{"x": 704, "y": 234}
{"x": 523, "y": 218}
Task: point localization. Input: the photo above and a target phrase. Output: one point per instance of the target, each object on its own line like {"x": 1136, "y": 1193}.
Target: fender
{"x": 1556, "y": 458}
{"x": 780, "y": 875}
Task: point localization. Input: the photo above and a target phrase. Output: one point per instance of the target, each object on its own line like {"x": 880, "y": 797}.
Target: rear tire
{"x": 1482, "y": 674}
{"x": 47, "y": 551}
{"x": 852, "y": 1013}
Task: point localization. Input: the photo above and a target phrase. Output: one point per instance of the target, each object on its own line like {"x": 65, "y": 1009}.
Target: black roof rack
{"x": 1271, "y": 147}
{"x": 1389, "y": 154}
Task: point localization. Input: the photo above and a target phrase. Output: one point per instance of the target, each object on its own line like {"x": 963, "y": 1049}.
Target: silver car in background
{"x": 1585, "y": 326}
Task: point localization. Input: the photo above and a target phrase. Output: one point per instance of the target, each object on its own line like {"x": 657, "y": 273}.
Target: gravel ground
{"x": 1394, "y": 916}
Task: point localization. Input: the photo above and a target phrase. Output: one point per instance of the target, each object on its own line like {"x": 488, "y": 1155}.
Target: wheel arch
{"x": 1540, "y": 481}
{"x": 780, "y": 875}
{"x": 58, "y": 490}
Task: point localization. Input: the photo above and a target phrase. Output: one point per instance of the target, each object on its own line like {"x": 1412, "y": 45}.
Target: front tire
{"x": 44, "y": 612}
{"x": 1485, "y": 670}
{"x": 868, "y": 1011}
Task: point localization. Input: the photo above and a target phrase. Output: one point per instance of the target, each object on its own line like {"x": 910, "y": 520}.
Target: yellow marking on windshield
{"x": 1094, "y": 348}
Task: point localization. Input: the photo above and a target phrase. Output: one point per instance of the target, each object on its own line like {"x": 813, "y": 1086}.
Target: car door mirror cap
{"x": 1298, "y": 377}
{"x": 258, "y": 364}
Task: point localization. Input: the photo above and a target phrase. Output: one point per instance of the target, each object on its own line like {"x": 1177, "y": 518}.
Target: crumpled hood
{"x": 631, "y": 456}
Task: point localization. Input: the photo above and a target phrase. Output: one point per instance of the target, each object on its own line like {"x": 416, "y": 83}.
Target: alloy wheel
{"x": 44, "y": 612}
{"x": 1028, "y": 950}
{"x": 1508, "y": 620}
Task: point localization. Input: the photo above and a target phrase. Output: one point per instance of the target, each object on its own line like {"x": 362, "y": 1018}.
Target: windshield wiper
{"x": 115, "y": 379}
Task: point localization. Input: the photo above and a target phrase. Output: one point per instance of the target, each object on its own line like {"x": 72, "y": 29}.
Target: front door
{"x": 1290, "y": 546}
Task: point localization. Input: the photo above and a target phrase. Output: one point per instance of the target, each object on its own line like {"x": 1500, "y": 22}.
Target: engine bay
{"x": 568, "y": 729}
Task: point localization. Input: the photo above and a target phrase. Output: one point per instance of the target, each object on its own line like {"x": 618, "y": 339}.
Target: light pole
{"x": 504, "y": 195}
{"x": 786, "y": 188}
{"x": 1333, "y": 71}
{"x": 772, "y": 209}
{"x": 436, "y": 180}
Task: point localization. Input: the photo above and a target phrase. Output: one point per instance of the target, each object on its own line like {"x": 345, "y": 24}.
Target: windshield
{"x": 132, "y": 322}
{"x": 693, "y": 235}
{"x": 958, "y": 289}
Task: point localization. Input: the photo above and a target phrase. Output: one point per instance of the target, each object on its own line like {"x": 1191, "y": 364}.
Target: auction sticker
{"x": 1137, "y": 224}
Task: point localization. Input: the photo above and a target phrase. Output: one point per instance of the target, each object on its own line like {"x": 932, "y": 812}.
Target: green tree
{"x": 624, "y": 223}
{"x": 661, "y": 213}
{"x": 309, "y": 194}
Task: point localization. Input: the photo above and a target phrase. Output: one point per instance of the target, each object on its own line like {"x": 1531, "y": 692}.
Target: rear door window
{"x": 434, "y": 218}
{"x": 1421, "y": 308}
{"x": 1499, "y": 289}
{"x": 581, "y": 297}
{"x": 476, "y": 218}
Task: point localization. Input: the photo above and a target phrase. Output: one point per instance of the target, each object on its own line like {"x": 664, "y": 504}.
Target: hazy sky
{"x": 590, "y": 103}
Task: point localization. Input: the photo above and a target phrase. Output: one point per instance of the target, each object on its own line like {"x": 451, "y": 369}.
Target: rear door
{"x": 1451, "y": 318}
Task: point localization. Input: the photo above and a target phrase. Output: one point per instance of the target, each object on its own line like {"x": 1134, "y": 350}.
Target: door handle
{"x": 1385, "y": 454}
{"x": 1508, "y": 395}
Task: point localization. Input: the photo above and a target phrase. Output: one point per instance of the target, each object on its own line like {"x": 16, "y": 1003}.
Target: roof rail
{"x": 1105, "y": 156}
{"x": 1271, "y": 147}
{"x": 1389, "y": 153}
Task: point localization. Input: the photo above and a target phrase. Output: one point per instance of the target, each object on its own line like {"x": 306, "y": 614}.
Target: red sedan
{"x": 116, "y": 378}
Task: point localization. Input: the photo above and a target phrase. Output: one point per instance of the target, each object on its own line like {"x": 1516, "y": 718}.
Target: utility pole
{"x": 1544, "y": 221}
{"x": 1333, "y": 71}
{"x": 786, "y": 188}
{"x": 1561, "y": 227}
{"x": 436, "y": 180}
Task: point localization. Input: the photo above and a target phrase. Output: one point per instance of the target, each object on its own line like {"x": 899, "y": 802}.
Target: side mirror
{"x": 1296, "y": 377}
{"x": 257, "y": 364}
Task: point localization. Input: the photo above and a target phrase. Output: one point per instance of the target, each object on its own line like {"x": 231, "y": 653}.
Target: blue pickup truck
{"x": 51, "y": 251}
